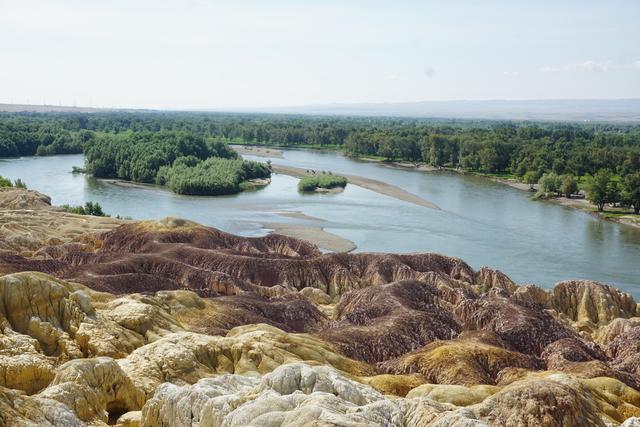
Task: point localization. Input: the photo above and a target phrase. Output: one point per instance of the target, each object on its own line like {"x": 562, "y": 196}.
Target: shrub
{"x": 549, "y": 183}
{"x": 18, "y": 183}
{"x": 89, "y": 208}
{"x": 531, "y": 178}
{"x": 4, "y": 182}
{"x": 568, "y": 185}
{"x": 312, "y": 182}
{"x": 212, "y": 177}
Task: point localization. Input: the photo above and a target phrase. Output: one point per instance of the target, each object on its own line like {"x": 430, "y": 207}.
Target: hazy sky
{"x": 224, "y": 54}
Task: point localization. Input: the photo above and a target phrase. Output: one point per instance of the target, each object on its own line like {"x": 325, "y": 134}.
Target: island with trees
{"x": 184, "y": 162}
{"x": 322, "y": 182}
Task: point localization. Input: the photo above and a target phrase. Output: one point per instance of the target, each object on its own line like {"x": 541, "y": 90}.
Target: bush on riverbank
{"x": 89, "y": 208}
{"x": 212, "y": 177}
{"x": 553, "y": 185}
{"x": 326, "y": 181}
{"x": 18, "y": 183}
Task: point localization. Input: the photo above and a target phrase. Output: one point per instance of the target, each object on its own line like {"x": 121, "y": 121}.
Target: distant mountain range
{"x": 627, "y": 110}
{"x": 23, "y": 108}
{"x": 574, "y": 110}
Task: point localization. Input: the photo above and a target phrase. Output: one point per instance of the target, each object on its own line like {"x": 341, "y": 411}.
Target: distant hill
{"x": 616, "y": 110}
{"x": 570, "y": 110}
{"x": 20, "y": 108}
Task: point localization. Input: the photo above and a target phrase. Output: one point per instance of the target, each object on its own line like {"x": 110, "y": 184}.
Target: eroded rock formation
{"x": 169, "y": 323}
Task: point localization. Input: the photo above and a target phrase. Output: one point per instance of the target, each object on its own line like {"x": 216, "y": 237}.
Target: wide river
{"x": 482, "y": 222}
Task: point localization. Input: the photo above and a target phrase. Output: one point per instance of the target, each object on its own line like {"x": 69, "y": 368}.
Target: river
{"x": 482, "y": 222}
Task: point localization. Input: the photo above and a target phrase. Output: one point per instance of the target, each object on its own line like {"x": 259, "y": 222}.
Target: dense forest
{"x": 136, "y": 145}
{"x": 185, "y": 162}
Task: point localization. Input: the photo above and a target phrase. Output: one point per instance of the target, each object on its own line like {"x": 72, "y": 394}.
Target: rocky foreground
{"x": 170, "y": 323}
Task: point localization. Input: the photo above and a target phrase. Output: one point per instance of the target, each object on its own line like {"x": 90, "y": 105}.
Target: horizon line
{"x": 317, "y": 104}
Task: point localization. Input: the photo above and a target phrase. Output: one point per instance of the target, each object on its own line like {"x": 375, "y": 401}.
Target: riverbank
{"x": 313, "y": 233}
{"x": 619, "y": 215}
{"x": 257, "y": 151}
{"x": 613, "y": 214}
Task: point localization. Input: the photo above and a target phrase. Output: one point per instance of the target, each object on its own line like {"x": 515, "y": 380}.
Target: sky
{"x": 217, "y": 54}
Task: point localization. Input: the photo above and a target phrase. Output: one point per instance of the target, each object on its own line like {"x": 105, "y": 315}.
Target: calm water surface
{"x": 482, "y": 222}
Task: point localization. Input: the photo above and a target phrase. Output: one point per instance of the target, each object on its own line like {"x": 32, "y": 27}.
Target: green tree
{"x": 568, "y": 185}
{"x": 549, "y": 183}
{"x": 531, "y": 178}
{"x": 599, "y": 188}
{"x": 631, "y": 190}
{"x": 89, "y": 208}
{"x": 489, "y": 159}
{"x": 93, "y": 208}
{"x": 438, "y": 153}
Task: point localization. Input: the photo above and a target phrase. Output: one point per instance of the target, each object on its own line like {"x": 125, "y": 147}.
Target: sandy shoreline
{"x": 580, "y": 204}
{"x": 316, "y": 235}
{"x": 299, "y": 215}
{"x": 250, "y": 150}
{"x": 370, "y": 184}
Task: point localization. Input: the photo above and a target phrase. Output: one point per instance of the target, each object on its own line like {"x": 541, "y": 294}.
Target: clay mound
{"x": 549, "y": 402}
{"x": 382, "y": 322}
{"x": 471, "y": 359}
{"x": 587, "y": 301}
{"x": 608, "y": 333}
{"x": 153, "y": 236}
{"x": 523, "y": 327}
{"x": 584, "y": 359}
{"x": 624, "y": 351}
{"x": 27, "y": 231}
{"x": 12, "y": 198}
{"x": 293, "y": 395}
{"x": 487, "y": 278}
{"x": 18, "y": 409}
{"x": 297, "y": 394}
{"x": 152, "y": 256}
{"x": 186, "y": 357}
{"x": 290, "y": 313}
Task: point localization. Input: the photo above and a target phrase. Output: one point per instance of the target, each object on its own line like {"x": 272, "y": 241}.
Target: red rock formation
{"x": 624, "y": 351}
{"x": 525, "y": 328}
{"x": 382, "y": 322}
{"x": 290, "y": 313}
{"x": 145, "y": 257}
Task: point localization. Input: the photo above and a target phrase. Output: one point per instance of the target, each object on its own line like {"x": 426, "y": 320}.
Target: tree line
{"x": 520, "y": 149}
{"x": 602, "y": 188}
